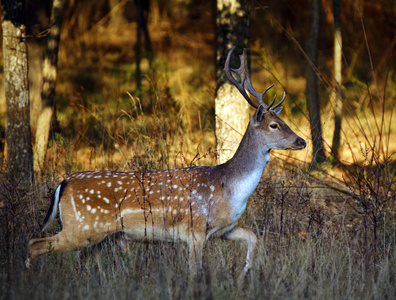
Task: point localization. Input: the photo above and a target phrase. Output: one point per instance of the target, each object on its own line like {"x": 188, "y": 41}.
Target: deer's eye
{"x": 274, "y": 126}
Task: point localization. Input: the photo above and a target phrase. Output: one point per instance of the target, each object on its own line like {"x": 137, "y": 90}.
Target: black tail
{"x": 54, "y": 205}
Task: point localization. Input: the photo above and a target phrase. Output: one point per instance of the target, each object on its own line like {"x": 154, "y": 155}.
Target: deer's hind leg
{"x": 58, "y": 243}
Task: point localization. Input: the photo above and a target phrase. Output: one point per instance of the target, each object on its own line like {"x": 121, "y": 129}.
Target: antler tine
{"x": 243, "y": 74}
{"x": 272, "y": 103}
{"x": 280, "y": 102}
{"x": 257, "y": 95}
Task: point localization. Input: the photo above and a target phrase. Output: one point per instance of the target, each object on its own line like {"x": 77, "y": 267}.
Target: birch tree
{"x": 49, "y": 83}
{"x": 16, "y": 85}
{"x": 232, "y": 110}
{"x": 337, "y": 80}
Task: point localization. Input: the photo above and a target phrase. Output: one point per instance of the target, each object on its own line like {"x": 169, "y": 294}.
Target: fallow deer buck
{"x": 192, "y": 204}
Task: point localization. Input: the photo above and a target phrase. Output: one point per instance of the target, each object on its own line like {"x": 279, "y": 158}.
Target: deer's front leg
{"x": 240, "y": 234}
{"x": 195, "y": 248}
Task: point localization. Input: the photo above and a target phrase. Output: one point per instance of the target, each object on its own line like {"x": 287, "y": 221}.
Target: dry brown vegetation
{"x": 323, "y": 233}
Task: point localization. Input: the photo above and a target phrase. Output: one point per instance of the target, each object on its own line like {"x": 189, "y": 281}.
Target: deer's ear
{"x": 278, "y": 110}
{"x": 259, "y": 114}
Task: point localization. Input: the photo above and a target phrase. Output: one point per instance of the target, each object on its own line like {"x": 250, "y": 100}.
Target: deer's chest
{"x": 241, "y": 192}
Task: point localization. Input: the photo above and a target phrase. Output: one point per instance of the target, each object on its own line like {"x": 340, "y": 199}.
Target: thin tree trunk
{"x": 142, "y": 8}
{"x": 232, "y": 110}
{"x": 312, "y": 83}
{"x": 138, "y": 48}
{"x": 338, "y": 80}
{"x": 49, "y": 83}
{"x": 16, "y": 85}
{"x": 36, "y": 23}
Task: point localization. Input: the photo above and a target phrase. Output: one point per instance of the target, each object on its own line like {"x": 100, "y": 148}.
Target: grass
{"x": 312, "y": 243}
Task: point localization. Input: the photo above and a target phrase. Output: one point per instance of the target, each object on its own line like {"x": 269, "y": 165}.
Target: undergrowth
{"x": 314, "y": 241}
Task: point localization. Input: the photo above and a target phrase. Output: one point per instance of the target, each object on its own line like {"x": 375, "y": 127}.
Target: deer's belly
{"x": 153, "y": 233}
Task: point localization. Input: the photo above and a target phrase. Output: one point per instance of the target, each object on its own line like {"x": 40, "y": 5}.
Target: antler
{"x": 245, "y": 83}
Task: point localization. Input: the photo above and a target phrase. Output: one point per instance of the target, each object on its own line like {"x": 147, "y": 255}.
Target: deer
{"x": 191, "y": 205}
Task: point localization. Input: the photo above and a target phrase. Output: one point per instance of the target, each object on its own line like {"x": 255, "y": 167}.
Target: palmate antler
{"x": 246, "y": 84}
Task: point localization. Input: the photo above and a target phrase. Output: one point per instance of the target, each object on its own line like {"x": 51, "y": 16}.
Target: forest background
{"x": 326, "y": 231}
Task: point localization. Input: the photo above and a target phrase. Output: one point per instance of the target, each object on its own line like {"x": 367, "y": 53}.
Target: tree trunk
{"x": 232, "y": 110}
{"x": 312, "y": 83}
{"x": 337, "y": 79}
{"x": 49, "y": 83}
{"x": 37, "y": 18}
{"x": 16, "y": 85}
{"x": 142, "y": 9}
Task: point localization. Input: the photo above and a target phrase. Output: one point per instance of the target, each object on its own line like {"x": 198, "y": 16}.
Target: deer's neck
{"x": 251, "y": 157}
{"x": 244, "y": 170}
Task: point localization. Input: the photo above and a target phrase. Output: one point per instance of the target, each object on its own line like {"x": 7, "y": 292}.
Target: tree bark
{"x": 16, "y": 85}
{"x": 49, "y": 84}
{"x": 232, "y": 110}
{"x": 338, "y": 80}
{"x": 312, "y": 83}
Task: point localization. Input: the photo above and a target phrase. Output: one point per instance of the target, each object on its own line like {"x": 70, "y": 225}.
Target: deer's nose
{"x": 301, "y": 142}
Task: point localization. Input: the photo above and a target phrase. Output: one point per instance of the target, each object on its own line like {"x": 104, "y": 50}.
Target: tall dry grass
{"x": 312, "y": 243}
{"x": 316, "y": 239}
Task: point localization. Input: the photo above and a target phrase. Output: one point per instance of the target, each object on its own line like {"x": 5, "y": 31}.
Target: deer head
{"x": 265, "y": 125}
